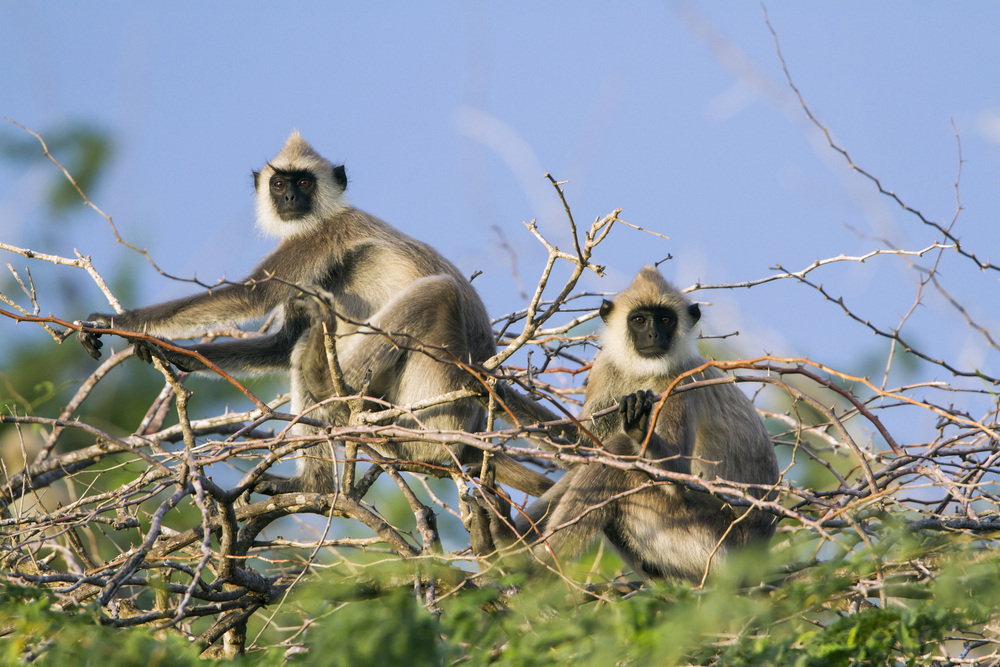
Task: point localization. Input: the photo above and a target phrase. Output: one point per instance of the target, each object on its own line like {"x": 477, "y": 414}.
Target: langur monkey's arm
{"x": 383, "y": 354}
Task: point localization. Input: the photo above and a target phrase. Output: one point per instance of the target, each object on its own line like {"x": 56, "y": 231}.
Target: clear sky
{"x": 448, "y": 114}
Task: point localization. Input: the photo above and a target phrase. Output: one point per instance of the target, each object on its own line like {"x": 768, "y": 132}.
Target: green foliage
{"x": 46, "y": 636}
{"x": 796, "y": 622}
{"x": 395, "y": 630}
{"x": 869, "y": 637}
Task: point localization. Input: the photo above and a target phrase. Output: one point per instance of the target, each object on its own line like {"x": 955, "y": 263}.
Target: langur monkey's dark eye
{"x": 279, "y": 184}
{"x": 639, "y": 319}
{"x": 665, "y": 319}
{"x": 304, "y": 183}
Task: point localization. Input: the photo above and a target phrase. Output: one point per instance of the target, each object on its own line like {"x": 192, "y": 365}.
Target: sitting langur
{"x": 375, "y": 275}
{"x": 665, "y": 530}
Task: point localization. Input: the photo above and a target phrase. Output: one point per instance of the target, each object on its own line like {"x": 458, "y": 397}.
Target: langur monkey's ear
{"x": 606, "y": 308}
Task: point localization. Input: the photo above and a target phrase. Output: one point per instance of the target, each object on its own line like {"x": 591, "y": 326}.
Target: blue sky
{"x": 447, "y": 115}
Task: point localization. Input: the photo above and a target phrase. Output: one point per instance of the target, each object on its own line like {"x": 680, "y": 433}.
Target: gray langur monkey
{"x": 713, "y": 432}
{"x": 373, "y": 274}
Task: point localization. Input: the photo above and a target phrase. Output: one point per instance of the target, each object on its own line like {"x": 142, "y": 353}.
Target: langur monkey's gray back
{"x": 372, "y": 273}
{"x": 714, "y": 432}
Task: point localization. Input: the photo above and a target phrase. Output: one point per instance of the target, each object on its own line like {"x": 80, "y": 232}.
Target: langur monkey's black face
{"x": 651, "y": 329}
{"x": 293, "y": 191}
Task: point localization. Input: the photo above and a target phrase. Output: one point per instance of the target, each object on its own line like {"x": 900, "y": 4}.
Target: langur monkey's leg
{"x": 649, "y": 525}
{"x": 492, "y": 529}
{"x": 430, "y": 313}
{"x": 410, "y": 347}
{"x": 660, "y": 531}
{"x": 423, "y": 311}
{"x": 577, "y": 499}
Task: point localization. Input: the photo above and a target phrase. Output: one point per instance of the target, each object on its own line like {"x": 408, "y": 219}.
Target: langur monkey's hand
{"x": 317, "y": 309}
{"x": 635, "y": 410}
{"x": 91, "y": 341}
{"x": 92, "y": 344}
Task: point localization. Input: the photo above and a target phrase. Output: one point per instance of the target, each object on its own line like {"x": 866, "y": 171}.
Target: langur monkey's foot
{"x": 488, "y": 520}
